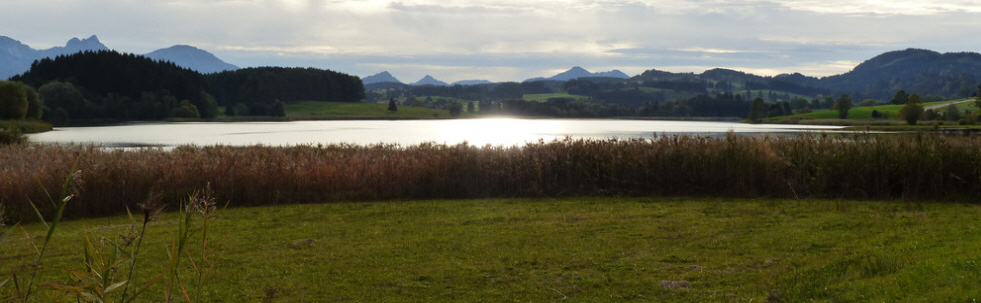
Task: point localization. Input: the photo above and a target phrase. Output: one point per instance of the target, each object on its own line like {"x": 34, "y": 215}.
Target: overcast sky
{"x": 508, "y": 40}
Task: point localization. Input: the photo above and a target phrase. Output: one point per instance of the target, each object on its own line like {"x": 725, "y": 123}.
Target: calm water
{"x": 496, "y": 131}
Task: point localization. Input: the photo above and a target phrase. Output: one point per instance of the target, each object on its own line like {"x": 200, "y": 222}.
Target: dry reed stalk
{"x": 807, "y": 166}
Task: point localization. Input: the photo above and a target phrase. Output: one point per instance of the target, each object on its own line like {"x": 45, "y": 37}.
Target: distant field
{"x": 343, "y": 110}
{"x": 555, "y": 250}
{"x": 858, "y": 113}
{"x": 545, "y": 97}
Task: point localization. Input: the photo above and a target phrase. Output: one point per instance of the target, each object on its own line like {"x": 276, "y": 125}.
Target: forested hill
{"x": 261, "y": 87}
{"x": 913, "y": 70}
{"x": 111, "y": 86}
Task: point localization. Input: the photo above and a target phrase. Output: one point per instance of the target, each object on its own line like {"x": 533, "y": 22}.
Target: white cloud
{"x": 510, "y": 39}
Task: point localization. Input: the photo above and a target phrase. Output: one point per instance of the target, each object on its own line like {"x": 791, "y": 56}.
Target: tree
{"x": 278, "y": 109}
{"x": 977, "y": 99}
{"x": 912, "y": 110}
{"x": 13, "y": 101}
{"x": 756, "y": 111}
{"x": 842, "y": 105}
{"x": 208, "y": 106}
{"x": 185, "y": 110}
{"x": 35, "y": 105}
{"x": 455, "y": 108}
{"x": 876, "y": 114}
{"x": 952, "y": 113}
{"x": 901, "y": 97}
{"x": 470, "y": 108}
{"x": 63, "y": 101}
{"x": 392, "y": 107}
{"x": 240, "y": 109}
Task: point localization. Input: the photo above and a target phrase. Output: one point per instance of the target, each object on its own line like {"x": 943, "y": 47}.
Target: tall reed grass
{"x": 808, "y": 166}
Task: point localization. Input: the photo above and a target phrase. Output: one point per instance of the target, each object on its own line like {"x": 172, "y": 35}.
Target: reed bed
{"x": 930, "y": 167}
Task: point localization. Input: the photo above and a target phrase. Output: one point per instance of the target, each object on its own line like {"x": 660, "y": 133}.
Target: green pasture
{"x": 545, "y": 97}
{"x": 865, "y": 112}
{"x": 314, "y": 110}
{"x": 552, "y": 250}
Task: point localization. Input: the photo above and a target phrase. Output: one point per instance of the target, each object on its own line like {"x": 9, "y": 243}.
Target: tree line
{"x": 105, "y": 86}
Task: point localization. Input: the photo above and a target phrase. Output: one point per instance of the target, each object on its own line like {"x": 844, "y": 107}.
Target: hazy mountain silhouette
{"x": 16, "y": 57}
{"x": 471, "y": 82}
{"x": 429, "y": 80}
{"x": 382, "y": 77}
{"x": 577, "y": 72}
{"x": 192, "y": 58}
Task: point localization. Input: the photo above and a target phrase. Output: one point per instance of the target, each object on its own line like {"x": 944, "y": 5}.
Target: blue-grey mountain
{"x": 471, "y": 82}
{"x": 192, "y": 58}
{"x": 382, "y": 77}
{"x": 16, "y": 57}
{"x": 579, "y": 72}
{"x": 429, "y": 80}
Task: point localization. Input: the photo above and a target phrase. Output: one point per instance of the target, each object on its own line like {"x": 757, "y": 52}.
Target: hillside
{"x": 924, "y": 72}
{"x": 107, "y": 86}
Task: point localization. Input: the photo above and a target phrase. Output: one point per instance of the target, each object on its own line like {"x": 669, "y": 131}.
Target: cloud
{"x": 510, "y": 39}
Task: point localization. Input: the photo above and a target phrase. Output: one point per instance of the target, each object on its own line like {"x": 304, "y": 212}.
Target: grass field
{"x": 545, "y": 97}
{"x": 861, "y": 113}
{"x": 550, "y": 250}
{"x": 359, "y": 110}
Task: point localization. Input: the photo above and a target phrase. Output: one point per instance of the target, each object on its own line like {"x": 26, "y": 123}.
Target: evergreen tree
{"x": 392, "y": 107}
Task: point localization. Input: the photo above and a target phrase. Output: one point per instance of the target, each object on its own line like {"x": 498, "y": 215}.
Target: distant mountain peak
{"x": 75, "y": 45}
{"x": 381, "y": 77}
{"x": 16, "y": 57}
{"x": 193, "y": 58}
{"x": 429, "y": 80}
{"x": 471, "y": 82}
{"x": 577, "y": 72}
{"x": 92, "y": 41}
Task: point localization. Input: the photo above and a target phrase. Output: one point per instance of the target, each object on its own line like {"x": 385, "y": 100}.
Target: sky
{"x": 511, "y": 40}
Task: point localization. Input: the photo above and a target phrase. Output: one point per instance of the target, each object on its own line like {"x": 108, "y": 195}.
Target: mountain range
{"x": 579, "y": 72}
{"x": 575, "y": 72}
{"x": 17, "y": 57}
{"x": 920, "y": 71}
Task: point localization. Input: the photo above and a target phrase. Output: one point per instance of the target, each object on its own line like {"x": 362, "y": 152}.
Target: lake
{"x": 479, "y": 132}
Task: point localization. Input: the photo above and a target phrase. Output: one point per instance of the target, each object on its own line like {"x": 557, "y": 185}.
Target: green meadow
{"x": 864, "y": 113}
{"x": 550, "y": 250}
{"x": 809, "y": 218}
{"x": 314, "y": 110}
{"x": 545, "y": 97}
